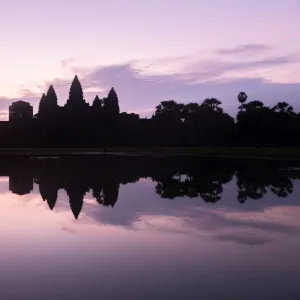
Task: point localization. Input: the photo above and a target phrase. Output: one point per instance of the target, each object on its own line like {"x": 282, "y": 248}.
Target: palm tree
{"x": 242, "y": 98}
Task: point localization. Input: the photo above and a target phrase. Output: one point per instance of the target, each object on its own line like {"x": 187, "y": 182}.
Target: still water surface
{"x": 145, "y": 228}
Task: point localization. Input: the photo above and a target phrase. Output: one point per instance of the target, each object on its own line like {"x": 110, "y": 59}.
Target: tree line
{"x": 78, "y": 124}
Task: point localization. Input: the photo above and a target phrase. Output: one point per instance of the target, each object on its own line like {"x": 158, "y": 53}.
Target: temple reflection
{"x": 20, "y": 181}
{"x": 173, "y": 177}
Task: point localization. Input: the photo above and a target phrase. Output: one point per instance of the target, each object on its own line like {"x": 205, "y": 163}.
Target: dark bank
{"x": 204, "y": 127}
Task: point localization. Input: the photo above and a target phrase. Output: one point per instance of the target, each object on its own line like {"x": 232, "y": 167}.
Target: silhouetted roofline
{"x": 21, "y": 101}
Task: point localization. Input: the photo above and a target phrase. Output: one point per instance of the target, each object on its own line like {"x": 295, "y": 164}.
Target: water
{"x": 149, "y": 228}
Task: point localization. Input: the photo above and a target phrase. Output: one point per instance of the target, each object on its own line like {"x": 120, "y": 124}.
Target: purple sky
{"x": 151, "y": 50}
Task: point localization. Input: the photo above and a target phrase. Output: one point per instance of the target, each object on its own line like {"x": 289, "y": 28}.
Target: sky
{"x": 151, "y": 50}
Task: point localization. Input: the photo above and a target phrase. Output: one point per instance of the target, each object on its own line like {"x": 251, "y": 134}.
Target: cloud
{"x": 244, "y": 238}
{"x": 244, "y": 49}
{"x": 223, "y": 220}
{"x": 141, "y": 111}
{"x": 206, "y": 70}
{"x": 67, "y": 62}
{"x": 197, "y": 218}
{"x": 93, "y": 90}
{"x": 189, "y": 218}
{"x": 138, "y": 92}
{"x": 141, "y": 85}
{"x": 68, "y": 229}
{"x": 3, "y": 115}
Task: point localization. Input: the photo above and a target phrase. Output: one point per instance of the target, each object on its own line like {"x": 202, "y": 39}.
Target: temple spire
{"x": 111, "y": 103}
{"x": 48, "y": 104}
{"x": 76, "y": 99}
{"x": 51, "y": 97}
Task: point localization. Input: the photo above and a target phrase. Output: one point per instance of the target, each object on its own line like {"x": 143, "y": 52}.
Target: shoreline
{"x": 282, "y": 153}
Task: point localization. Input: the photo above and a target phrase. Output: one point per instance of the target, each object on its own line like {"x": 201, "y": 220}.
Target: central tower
{"x": 76, "y": 102}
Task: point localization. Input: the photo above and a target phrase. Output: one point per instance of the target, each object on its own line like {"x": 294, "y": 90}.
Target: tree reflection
{"x": 173, "y": 177}
{"x": 254, "y": 181}
{"x": 203, "y": 179}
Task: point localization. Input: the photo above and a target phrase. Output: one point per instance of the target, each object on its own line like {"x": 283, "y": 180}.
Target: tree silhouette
{"x": 253, "y": 105}
{"x": 283, "y": 108}
{"x": 169, "y": 111}
{"x": 213, "y": 103}
{"x": 242, "y": 98}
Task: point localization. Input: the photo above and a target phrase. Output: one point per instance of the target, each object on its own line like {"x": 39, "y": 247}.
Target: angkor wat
{"x": 75, "y": 107}
{"x": 78, "y": 124}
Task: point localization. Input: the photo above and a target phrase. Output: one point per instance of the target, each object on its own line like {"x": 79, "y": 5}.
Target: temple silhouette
{"x": 20, "y": 110}
{"x": 75, "y": 124}
{"x": 75, "y": 107}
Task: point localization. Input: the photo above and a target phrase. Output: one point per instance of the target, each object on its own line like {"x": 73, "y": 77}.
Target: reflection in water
{"x": 234, "y": 238}
{"x": 20, "y": 182}
{"x": 174, "y": 178}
